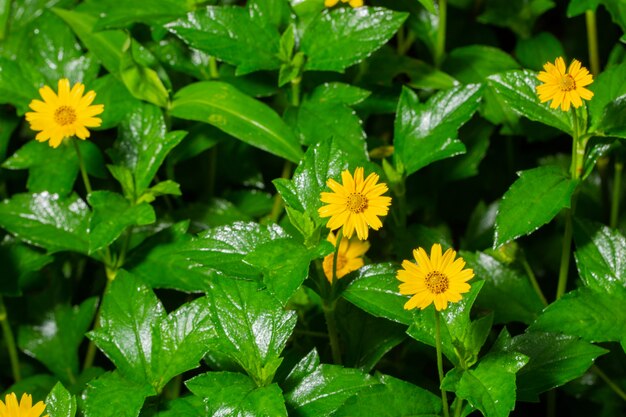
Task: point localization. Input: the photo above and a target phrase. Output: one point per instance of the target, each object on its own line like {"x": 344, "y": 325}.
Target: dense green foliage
{"x": 189, "y": 281}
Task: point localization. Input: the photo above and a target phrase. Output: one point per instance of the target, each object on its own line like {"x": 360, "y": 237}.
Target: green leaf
{"x": 593, "y": 316}
{"x": 236, "y": 35}
{"x": 55, "y": 341}
{"x": 173, "y": 259}
{"x": 425, "y": 133}
{"x": 60, "y": 403}
{"x": 365, "y": 339}
{"x": 112, "y": 214}
{"x": 237, "y": 114}
{"x": 48, "y": 220}
{"x": 617, "y": 9}
{"x": 114, "y": 14}
{"x": 117, "y": 101}
{"x": 142, "y": 82}
{"x": 143, "y": 144}
{"x": 468, "y": 64}
{"x": 490, "y": 386}
{"x": 519, "y": 16}
{"x": 19, "y": 82}
{"x": 230, "y": 393}
{"x": 343, "y": 37}
{"x": 111, "y": 395}
{"x": 518, "y": 90}
{"x": 606, "y": 109}
{"x": 252, "y": 327}
{"x": 533, "y": 200}
{"x": 600, "y": 256}
{"x": 553, "y": 361}
{"x": 314, "y": 389}
{"x": 507, "y": 290}
{"x": 167, "y": 187}
{"x": 146, "y": 346}
{"x": 577, "y": 7}
{"x": 18, "y": 261}
{"x": 393, "y": 398}
{"x": 285, "y": 265}
{"x": 55, "y": 52}
{"x": 375, "y": 290}
{"x": 535, "y": 51}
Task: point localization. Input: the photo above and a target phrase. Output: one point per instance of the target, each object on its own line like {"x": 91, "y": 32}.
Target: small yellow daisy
{"x": 439, "y": 279}
{"x": 353, "y": 3}
{"x": 564, "y": 88}
{"x": 10, "y": 407}
{"x": 355, "y": 204}
{"x": 67, "y": 114}
{"x": 349, "y": 256}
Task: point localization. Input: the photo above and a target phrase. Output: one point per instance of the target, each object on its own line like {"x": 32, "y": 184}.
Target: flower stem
{"x": 9, "y": 339}
{"x": 333, "y": 334}
{"x": 459, "y": 408}
{"x": 81, "y": 163}
{"x": 609, "y": 382}
{"x": 533, "y": 281}
{"x": 444, "y": 397}
{"x": 213, "y": 71}
{"x": 615, "y": 197}
{"x": 592, "y": 41}
{"x": 295, "y": 91}
{"x": 576, "y": 167}
{"x": 440, "y": 47}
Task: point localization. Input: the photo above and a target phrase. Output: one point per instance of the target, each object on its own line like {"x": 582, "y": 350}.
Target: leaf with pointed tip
{"x": 251, "y": 325}
{"x": 490, "y": 386}
{"x": 251, "y": 121}
{"x": 239, "y": 36}
{"x": 112, "y": 395}
{"x": 60, "y": 403}
{"x": 174, "y": 259}
{"x": 375, "y": 290}
{"x": 518, "y": 89}
{"x": 343, "y": 37}
{"x": 231, "y": 393}
{"x": 112, "y": 214}
{"x": 314, "y": 389}
{"x": 48, "y": 220}
{"x": 425, "y": 133}
{"x": 55, "y": 341}
{"x": 533, "y": 200}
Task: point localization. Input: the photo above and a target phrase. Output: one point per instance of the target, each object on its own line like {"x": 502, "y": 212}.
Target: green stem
{"x": 10, "y": 341}
{"x": 609, "y": 382}
{"x": 592, "y": 41}
{"x": 444, "y": 397}
{"x": 213, "y": 71}
{"x": 83, "y": 171}
{"x": 333, "y": 333}
{"x": 533, "y": 281}
{"x": 458, "y": 408}
{"x": 615, "y": 197}
{"x": 335, "y": 256}
{"x": 277, "y": 207}
{"x": 91, "y": 348}
{"x": 295, "y": 91}
{"x": 440, "y": 47}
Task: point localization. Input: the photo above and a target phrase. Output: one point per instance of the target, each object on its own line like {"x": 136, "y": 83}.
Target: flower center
{"x": 65, "y": 115}
{"x": 357, "y": 202}
{"x": 568, "y": 83}
{"x": 436, "y": 282}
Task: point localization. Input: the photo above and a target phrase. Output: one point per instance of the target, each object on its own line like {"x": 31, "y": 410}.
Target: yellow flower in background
{"x": 564, "y": 88}
{"x": 67, "y": 114}
{"x": 355, "y": 204}
{"x": 349, "y": 257}
{"x": 439, "y": 279}
{"x": 10, "y": 407}
{"x": 353, "y": 3}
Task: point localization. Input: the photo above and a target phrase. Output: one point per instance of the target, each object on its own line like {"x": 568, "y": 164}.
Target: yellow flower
{"x": 355, "y": 204}
{"x": 10, "y": 407}
{"x": 349, "y": 257}
{"x": 67, "y": 114}
{"x": 439, "y": 279}
{"x": 353, "y": 3}
{"x": 563, "y": 87}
